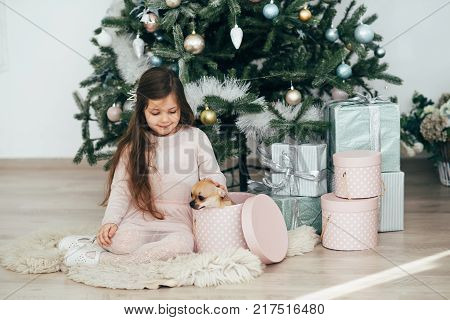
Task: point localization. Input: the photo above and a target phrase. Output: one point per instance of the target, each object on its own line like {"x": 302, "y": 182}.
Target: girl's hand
{"x": 105, "y": 234}
{"x": 218, "y": 184}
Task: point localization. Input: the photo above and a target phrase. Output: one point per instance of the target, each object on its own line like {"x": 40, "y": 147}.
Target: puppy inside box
{"x": 248, "y": 221}
{"x": 205, "y": 194}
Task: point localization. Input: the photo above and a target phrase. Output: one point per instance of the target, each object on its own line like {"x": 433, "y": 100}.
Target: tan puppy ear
{"x": 222, "y": 193}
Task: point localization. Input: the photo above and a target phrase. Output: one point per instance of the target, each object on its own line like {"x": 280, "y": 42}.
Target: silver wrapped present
{"x": 295, "y": 170}
{"x": 362, "y": 123}
{"x": 309, "y": 161}
{"x": 298, "y": 211}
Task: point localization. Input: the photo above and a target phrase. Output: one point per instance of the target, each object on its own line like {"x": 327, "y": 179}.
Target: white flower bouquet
{"x": 427, "y": 126}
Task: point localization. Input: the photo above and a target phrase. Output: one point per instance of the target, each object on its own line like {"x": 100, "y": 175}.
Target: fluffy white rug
{"x": 37, "y": 253}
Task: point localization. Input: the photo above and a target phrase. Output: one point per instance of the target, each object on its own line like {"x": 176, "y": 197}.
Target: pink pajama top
{"x": 181, "y": 159}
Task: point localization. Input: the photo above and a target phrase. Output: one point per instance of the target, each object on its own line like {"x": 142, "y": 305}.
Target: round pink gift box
{"x": 255, "y": 222}
{"x": 357, "y": 174}
{"x": 349, "y": 224}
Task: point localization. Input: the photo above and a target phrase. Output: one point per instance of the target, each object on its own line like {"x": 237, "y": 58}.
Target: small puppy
{"x": 205, "y": 194}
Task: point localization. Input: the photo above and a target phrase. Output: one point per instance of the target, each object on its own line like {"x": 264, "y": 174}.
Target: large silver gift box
{"x": 392, "y": 202}
{"x": 309, "y": 159}
{"x": 371, "y": 124}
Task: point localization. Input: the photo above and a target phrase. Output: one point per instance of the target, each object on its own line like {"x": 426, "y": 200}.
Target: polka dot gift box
{"x": 357, "y": 174}
{"x": 350, "y": 215}
{"x": 349, "y": 224}
{"x": 255, "y": 222}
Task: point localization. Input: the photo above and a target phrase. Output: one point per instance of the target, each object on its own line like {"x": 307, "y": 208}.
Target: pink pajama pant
{"x": 142, "y": 239}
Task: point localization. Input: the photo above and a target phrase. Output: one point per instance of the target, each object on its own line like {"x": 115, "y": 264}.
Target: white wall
{"x": 36, "y": 105}
{"x": 420, "y": 56}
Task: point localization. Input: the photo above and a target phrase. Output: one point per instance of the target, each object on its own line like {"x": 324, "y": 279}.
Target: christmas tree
{"x": 246, "y": 66}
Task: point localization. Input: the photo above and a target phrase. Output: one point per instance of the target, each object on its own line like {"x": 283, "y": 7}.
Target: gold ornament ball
{"x": 173, "y": 3}
{"x": 349, "y": 46}
{"x": 293, "y": 97}
{"x": 194, "y": 43}
{"x": 114, "y": 113}
{"x": 304, "y": 15}
{"x": 152, "y": 26}
{"x": 208, "y": 116}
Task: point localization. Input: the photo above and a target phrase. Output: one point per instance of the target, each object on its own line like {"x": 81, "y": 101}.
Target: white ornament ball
{"x": 104, "y": 39}
{"x": 338, "y": 94}
{"x": 332, "y": 34}
{"x": 173, "y": 3}
{"x": 418, "y": 147}
{"x": 270, "y": 10}
{"x": 194, "y": 43}
{"x": 344, "y": 71}
{"x": 364, "y": 33}
{"x": 293, "y": 97}
{"x": 380, "y": 52}
{"x": 114, "y": 113}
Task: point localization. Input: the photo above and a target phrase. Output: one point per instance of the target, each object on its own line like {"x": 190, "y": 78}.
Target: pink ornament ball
{"x": 114, "y": 113}
{"x": 338, "y": 94}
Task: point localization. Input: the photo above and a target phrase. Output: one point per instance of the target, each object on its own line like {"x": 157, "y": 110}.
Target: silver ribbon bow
{"x": 359, "y": 99}
{"x": 286, "y": 167}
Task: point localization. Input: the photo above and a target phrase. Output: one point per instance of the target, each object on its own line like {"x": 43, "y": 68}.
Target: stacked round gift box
{"x": 350, "y": 214}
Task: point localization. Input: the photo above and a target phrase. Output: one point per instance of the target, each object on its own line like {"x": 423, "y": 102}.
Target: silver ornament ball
{"x": 270, "y": 10}
{"x": 380, "y": 52}
{"x": 364, "y": 33}
{"x": 155, "y": 61}
{"x": 194, "y": 43}
{"x": 332, "y": 34}
{"x": 293, "y": 97}
{"x": 344, "y": 71}
{"x": 173, "y": 3}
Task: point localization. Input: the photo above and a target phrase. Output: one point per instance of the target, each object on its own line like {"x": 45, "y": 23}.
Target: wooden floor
{"x": 413, "y": 264}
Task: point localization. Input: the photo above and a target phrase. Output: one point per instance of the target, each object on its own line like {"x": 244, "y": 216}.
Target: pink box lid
{"x": 264, "y": 229}
{"x": 357, "y": 158}
{"x": 330, "y": 202}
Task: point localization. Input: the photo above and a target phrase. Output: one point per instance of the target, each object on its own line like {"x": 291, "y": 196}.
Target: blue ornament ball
{"x": 174, "y": 67}
{"x": 364, "y": 33}
{"x": 344, "y": 71}
{"x": 332, "y": 34}
{"x": 155, "y": 61}
{"x": 380, "y": 52}
{"x": 270, "y": 11}
{"x": 158, "y": 35}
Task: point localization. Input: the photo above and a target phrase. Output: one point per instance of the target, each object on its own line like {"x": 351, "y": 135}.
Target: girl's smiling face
{"x": 163, "y": 115}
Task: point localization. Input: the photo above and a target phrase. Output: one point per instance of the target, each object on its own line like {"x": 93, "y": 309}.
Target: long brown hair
{"x": 155, "y": 83}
